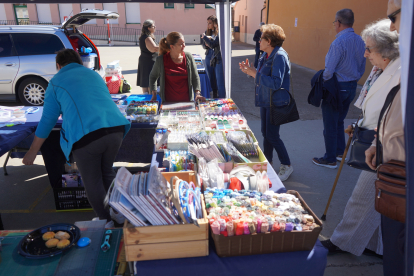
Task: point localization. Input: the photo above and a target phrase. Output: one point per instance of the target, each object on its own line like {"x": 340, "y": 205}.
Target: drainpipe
{"x": 267, "y": 17}
{"x": 261, "y": 14}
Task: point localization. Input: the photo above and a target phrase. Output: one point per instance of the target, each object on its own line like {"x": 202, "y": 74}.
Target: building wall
{"x": 247, "y": 13}
{"x": 189, "y": 21}
{"x": 308, "y": 43}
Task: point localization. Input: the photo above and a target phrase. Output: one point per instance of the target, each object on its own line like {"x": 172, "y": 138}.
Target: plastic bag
{"x": 215, "y": 174}
{"x": 113, "y": 84}
{"x": 125, "y": 86}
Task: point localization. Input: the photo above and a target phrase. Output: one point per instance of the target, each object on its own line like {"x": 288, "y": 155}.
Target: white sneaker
{"x": 339, "y": 158}
{"x": 285, "y": 172}
{"x": 110, "y": 224}
{"x": 118, "y": 217}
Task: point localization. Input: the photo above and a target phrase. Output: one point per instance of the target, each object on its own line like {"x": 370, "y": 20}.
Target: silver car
{"x": 27, "y": 55}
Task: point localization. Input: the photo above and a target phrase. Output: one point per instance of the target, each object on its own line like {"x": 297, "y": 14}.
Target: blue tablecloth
{"x": 301, "y": 263}
{"x": 205, "y": 85}
{"x": 9, "y": 141}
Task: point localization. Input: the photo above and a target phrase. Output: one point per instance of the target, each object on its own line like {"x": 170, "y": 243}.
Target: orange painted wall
{"x": 308, "y": 43}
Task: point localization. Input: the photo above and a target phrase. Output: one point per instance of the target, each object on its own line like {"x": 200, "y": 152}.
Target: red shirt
{"x": 176, "y": 80}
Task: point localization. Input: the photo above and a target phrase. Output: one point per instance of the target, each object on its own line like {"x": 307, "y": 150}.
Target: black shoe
{"x": 332, "y": 248}
{"x": 368, "y": 252}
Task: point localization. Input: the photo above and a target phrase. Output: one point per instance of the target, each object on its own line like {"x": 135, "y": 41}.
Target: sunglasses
{"x": 262, "y": 38}
{"x": 392, "y": 16}
{"x": 333, "y": 23}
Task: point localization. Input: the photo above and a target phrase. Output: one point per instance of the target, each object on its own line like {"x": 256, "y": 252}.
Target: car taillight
{"x": 96, "y": 48}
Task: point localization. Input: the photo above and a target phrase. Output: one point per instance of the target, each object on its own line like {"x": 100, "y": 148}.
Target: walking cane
{"x": 339, "y": 172}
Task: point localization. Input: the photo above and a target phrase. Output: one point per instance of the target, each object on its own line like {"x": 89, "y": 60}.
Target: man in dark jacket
{"x": 256, "y": 37}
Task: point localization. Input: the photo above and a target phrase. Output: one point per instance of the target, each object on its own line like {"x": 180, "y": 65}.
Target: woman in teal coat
{"x": 93, "y": 128}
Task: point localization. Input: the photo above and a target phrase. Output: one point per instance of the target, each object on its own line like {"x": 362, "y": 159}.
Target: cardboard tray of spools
{"x": 168, "y": 241}
{"x": 271, "y": 242}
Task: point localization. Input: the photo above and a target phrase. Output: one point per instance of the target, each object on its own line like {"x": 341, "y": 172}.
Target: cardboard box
{"x": 168, "y": 241}
{"x": 272, "y": 242}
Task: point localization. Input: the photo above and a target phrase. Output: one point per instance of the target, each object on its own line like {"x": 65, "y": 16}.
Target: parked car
{"x": 27, "y": 55}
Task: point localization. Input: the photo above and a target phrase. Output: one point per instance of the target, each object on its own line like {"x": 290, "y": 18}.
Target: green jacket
{"x": 158, "y": 72}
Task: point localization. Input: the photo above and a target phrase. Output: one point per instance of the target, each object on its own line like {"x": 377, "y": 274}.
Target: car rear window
{"x": 6, "y": 48}
{"x": 37, "y": 44}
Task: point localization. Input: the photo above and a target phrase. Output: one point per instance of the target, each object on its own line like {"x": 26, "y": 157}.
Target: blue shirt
{"x": 345, "y": 57}
{"x": 81, "y": 96}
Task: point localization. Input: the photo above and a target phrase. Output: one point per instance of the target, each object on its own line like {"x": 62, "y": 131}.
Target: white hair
{"x": 386, "y": 42}
{"x": 397, "y": 3}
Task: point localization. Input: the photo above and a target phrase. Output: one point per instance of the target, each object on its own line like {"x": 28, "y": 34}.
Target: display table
{"x": 9, "y": 141}
{"x": 300, "y": 263}
{"x": 12, "y": 264}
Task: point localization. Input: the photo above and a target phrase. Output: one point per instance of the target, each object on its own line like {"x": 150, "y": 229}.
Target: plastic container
{"x": 89, "y": 60}
{"x": 112, "y": 72}
{"x": 112, "y": 65}
{"x": 5, "y": 116}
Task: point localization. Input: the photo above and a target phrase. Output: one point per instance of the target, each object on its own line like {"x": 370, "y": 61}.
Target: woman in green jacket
{"x": 177, "y": 72}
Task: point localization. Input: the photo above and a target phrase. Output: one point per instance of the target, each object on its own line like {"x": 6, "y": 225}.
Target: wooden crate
{"x": 271, "y": 242}
{"x": 167, "y": 241}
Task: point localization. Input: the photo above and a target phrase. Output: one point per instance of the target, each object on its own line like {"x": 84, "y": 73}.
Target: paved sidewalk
{"x": 26, "y": 200}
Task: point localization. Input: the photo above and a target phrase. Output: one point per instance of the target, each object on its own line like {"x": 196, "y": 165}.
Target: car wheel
{"x": 32, "y": 91}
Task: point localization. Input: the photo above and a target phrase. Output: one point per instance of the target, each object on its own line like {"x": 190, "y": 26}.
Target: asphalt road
{"x": 26, "y": 200}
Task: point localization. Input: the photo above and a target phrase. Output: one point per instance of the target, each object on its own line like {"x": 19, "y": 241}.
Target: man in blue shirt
{"x": 256, "y": 37}
{"x": 346, "y": 60}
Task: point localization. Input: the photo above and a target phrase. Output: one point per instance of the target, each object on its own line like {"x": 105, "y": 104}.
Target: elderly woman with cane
{"x": 391, "y": 137}
{"x": 359, "y": 228}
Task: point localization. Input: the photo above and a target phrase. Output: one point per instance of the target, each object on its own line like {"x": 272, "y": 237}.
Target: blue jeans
{"x": 215, "y": 75}
{"x": 333, "y": 122}
{"x": 271, "y": 138}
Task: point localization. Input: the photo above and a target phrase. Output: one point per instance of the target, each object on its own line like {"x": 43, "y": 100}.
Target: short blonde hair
{"x": 274, "y": 34}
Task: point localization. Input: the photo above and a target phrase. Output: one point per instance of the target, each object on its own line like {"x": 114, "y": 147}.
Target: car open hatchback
{"x": 27, "y": 55}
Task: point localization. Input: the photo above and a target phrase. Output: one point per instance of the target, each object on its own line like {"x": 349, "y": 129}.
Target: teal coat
{"x": 83, "y": 99}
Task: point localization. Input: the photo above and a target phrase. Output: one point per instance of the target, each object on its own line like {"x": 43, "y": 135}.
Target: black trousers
{"x": 54, "y": 159}
{"x": 393, "y": 239}
{"x": 95, "y": 163}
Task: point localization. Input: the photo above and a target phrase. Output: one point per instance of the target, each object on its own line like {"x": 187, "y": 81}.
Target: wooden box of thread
{"x": 269, "y": 242}
{"x": 168, "y": 241}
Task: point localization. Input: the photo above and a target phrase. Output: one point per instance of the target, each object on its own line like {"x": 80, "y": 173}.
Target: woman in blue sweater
{"x": 213, "y": 60}
{"x": 93, "y": 128}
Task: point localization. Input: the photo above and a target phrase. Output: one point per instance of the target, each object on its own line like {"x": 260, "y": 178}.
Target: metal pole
{"x": 109, "y": 33}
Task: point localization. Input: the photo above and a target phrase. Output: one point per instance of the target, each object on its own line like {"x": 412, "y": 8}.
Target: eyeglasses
{"x": 392, "y": 16}
{"x": 333, "y": 23}
{"x": 153, "y": 26}
{"x": 262, "y": 38}
{"x": 369, "y": 49}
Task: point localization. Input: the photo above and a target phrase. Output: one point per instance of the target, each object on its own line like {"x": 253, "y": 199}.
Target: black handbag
{"x": 361, "y": 140}
{"x": 285, "y": 114}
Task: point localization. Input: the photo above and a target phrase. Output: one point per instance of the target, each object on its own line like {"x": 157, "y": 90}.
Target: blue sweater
{"x": 81, "y": 96}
